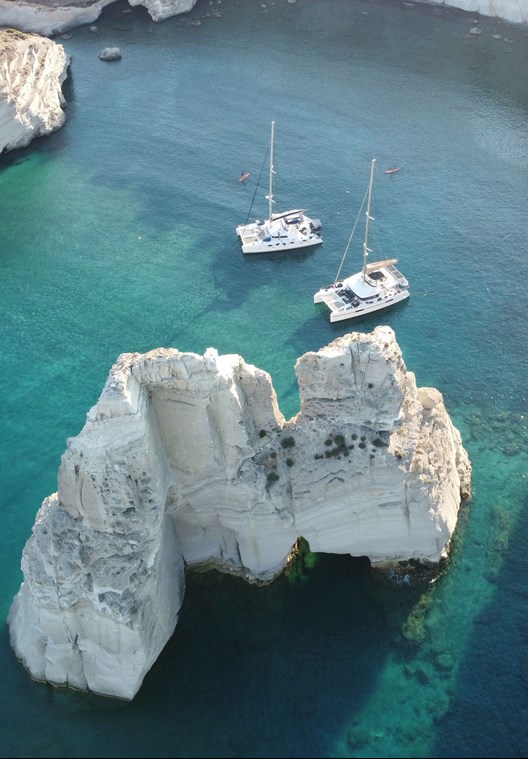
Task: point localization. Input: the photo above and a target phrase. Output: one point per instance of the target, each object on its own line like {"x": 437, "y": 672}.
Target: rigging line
{"x": 258, "y": 183}
{"x": 350, "y": 238}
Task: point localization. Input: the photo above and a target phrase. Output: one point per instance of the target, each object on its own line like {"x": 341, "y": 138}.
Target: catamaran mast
{"x": 366, "y": 249}
{"x": 271, "y": 172}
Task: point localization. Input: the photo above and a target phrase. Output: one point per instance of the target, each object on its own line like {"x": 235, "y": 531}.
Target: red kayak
{"x": 245, "y": 175}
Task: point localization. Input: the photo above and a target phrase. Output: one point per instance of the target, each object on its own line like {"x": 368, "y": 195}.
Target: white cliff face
{"x": 33, "y": 71}
{"x": 48, "y": 17}
{"x": 515, "y": 11}
{"x": 186, "y": 461}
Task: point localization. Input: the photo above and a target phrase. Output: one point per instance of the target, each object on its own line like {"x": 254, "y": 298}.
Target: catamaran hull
{"x": 338, "y": 314}
{"x": 277, "y": 247}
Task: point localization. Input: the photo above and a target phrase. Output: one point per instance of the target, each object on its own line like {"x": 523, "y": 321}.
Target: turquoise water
{"x": 117, "y": 234}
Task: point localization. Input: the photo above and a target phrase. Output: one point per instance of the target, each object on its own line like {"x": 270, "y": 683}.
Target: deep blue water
{"x": 117, "y": 235}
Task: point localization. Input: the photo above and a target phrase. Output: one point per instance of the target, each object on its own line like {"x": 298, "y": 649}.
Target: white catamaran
{"x": 280, "y": 231}
{"x": 377, "y": 286}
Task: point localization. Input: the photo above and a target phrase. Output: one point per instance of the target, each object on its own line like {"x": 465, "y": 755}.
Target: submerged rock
{"x": 110, "y": 54}
{"x": 186, "y": 461}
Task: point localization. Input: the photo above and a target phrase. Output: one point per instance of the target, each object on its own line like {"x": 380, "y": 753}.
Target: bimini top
{"x": 296, "y": 213}
{"x": 364, "y": 290}
{"x": 375, "y": 265}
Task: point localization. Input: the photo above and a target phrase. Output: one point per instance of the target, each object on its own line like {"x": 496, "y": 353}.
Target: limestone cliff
{"x": 33, "y": 71}
{"x": 50, "y": 17}
{"x": 187, "y": 461}
{"x": 515, "y": 11}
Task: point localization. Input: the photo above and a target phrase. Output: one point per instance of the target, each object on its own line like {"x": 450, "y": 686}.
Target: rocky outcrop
{"x": 159, "y": 10}
{"x": 110, "y": 54}
{"x": 186, "y": 461}
{"x": 33, "y": 71}
{"x": 49, "y": 17}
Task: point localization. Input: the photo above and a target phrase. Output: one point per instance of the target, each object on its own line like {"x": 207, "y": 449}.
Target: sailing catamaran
{"x": 280, "y": 231}
{"x": 377, "y": 286}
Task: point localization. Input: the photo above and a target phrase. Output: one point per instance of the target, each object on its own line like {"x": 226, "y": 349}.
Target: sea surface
{"x": 117, "y": 234}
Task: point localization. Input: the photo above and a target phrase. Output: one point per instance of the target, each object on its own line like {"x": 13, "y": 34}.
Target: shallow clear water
{"x": 118, "y": 235}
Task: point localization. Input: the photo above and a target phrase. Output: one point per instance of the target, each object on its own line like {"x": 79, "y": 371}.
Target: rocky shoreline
{"x": 50, "y": 17}
{"x": 31, "y": 100}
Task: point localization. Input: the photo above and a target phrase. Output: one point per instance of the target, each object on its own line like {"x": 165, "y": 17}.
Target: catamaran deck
{"x": 283, "y": 233}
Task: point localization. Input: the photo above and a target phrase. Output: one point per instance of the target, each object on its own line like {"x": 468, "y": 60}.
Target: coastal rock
{"x": 110, "y": 54}
{"x": 515, "y": 11}
{"x": 186, "y": 461}
{"x": 33, "y": 71}
{"x": 159, "y": 10}
{"x": 49, "y": 17}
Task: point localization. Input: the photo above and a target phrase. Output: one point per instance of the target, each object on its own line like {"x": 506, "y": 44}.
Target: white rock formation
{"x": 515, "y": 11}
{"x": 50, "y": 17}
{"x": 159, "y": 10}
{"x": 33, "y": 70}
{"x": 186, "y": 461}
